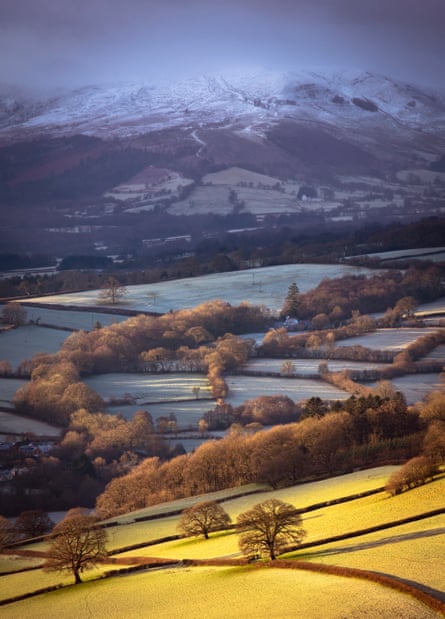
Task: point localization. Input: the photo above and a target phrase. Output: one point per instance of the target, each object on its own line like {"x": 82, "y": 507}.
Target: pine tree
{"x": 292, "y": 302}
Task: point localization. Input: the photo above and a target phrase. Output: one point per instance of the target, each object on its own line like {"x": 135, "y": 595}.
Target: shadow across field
{"x": 394, "y": 539}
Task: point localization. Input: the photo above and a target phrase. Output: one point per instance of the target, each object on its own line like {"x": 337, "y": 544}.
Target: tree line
{"x": 357, "y": 433}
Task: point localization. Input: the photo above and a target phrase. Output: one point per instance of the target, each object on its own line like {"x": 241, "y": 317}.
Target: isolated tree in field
{"x": 292, "y": 302}
{"x": 268, "y": 528}
{"x": 287, "y": 368}
{"x": 112, "y": 291}
{"x": 203, "y": 518}
{"x": 77, "y": 543}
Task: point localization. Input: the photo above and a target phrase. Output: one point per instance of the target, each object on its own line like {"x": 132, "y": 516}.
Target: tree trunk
{"x": 77, "y": 578}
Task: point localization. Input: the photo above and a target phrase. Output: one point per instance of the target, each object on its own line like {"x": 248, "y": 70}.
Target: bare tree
{"x": 112, "y": 291}
{"x": 77, "y": 543}
{"x": 203, "y": 518}
{"x": 268, "y": 528}
{"x": 287, "y": 368}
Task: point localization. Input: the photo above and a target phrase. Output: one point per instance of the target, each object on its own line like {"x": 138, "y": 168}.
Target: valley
{"x": 229, "y": 288}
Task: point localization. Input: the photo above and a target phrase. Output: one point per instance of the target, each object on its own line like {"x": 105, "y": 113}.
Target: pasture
{"x": 266, "y": 286}
{"x": 308, "y": 367}
{"x": 416, "y": 387}
{"x": 16, "y": 424}
{"x": 413, "y": 551}
{"x": 22, "y": 343}
{"x": 71, "y": 319}
{"x": 425, "y": 253}
{"x": 222, "y": 593}
{"x": 8, "y": 387}
{"x": 388, "y": 339}
{"x": 148, "y": 388}
{"x": 243, "y": 388}
{"x": 187, "y": 413}
{"x": 162, "y": 394}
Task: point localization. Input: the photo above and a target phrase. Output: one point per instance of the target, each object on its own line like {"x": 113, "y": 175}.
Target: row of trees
{"x": 431, "y": 457}
{"x": 324, "y": 443}
{"x": 336, "y": 299}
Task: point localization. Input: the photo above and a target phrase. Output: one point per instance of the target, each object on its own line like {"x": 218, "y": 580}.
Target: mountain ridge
{"x": 127, "y": 109}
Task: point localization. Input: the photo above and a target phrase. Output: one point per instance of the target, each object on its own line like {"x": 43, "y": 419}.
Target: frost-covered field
{"x": 308, "y": 366}
{"x": 438, "y": 353}
{"x": 243, "y": 388}
{"x": 22, "y": 343}
{"x": 16, "y": 424}
{"x": 435, "y": 307}
{"x": 387, "y": 339}
{"x": 267, "y": 286}
{"x": 71, "y": 319}
{"x": 427, "y": 253}
{"x": 187, "y": 413}
{"x": 415, "y": 387}
{"x": 147, "y": 388}
{"x": 8, "y": 387}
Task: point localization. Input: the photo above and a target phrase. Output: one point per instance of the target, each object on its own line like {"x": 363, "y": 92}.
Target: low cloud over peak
{"x": 45, "y": 44}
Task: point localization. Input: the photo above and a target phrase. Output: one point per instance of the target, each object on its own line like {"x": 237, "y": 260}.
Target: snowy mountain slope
{"x": 249, "y": 99}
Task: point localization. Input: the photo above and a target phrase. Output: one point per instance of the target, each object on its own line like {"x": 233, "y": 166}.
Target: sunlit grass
{"x": 414, "y": 551}
{"x": 223, "y": 544}
{"x": 373, "y": 510}
{"x": 14, "y": 563}
{"x": 303, "y": 495}
{"x": 219, "y": 593}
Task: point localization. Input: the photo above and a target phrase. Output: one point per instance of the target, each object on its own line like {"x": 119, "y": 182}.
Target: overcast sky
{"x": 46, "y": 43}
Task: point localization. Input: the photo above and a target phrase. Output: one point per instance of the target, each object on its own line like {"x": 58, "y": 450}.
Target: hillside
{"x": 279, "y": 588}
{"x": 338, "y": 147}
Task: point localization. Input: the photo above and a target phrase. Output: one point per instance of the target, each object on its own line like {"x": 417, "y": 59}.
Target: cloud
{"x": 83, "y": 41}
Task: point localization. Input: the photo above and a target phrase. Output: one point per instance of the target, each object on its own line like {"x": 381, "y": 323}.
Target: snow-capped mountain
{"x": 244, "y": 100}
{"x": 249, "y": 143}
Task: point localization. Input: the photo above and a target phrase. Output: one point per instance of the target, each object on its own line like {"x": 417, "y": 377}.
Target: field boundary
{"x": 413, "y": 589}
{"x": 374, "y": 529}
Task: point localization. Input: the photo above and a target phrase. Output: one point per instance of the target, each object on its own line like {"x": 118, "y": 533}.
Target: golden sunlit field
{"x": 222, "y": 593}
{"x": 412, "y": 551}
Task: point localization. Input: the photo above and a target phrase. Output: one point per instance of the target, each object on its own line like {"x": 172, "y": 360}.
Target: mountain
{"x": 248, "y": 99}
{"x": 137, "y": 147}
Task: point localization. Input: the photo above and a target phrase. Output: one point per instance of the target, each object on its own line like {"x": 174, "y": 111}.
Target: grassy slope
{"x": 219, "y": 593}
{"x": 413, "y": 551}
